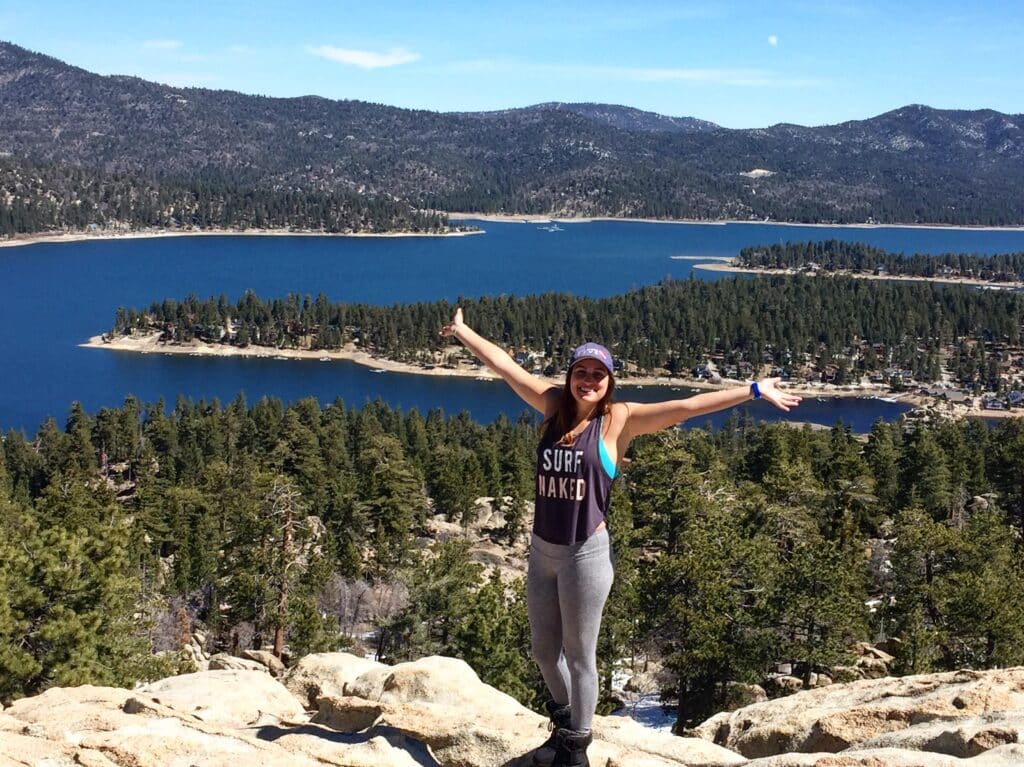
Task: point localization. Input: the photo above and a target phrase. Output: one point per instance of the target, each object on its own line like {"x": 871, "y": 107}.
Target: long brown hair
{"x": 559, "y": 424}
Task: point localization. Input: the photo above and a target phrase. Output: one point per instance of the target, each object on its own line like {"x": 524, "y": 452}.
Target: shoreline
{"x": 150, "y": 345}
{"x": 145, "y": 234}
{"x": 729, "y": 266}
{"x": 19, "y": 240}
{"x": 540, "y": 218}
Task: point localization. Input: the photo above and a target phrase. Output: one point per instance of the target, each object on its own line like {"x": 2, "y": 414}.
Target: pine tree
{"x": 821, "y": 592}
{"x": 494, "y": 638}
{"x": 708, "y": 602}
{"x": 919, "y": 559}
{"x": 925, "y": 474}
{"x": 390, "y": 498}
{"x": 71, "y": 597}
{"x": 981, "y": 595}
{"x": 440, "y": 592}
{"x": 276, "y": 565}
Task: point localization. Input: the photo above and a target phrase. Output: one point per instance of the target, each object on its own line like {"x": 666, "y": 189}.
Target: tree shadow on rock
{"x": 395, "y": 738}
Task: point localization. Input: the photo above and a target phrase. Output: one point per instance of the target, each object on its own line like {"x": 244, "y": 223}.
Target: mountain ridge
{"x": 913, "y": 164}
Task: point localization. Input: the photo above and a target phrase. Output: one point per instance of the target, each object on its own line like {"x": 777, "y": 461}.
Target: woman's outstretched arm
{"x": 536, "y": 393}
{"x": 646, "y": 418}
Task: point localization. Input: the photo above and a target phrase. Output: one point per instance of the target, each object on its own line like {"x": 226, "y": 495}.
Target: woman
{"x": 584, "y": 434}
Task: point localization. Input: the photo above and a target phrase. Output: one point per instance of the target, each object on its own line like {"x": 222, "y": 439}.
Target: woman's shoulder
{"x": 620, "y": 409}
{"x": 618, "y": 414}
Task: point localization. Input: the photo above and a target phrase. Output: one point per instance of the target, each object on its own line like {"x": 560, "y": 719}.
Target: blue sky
{"x": 741, "y": 65}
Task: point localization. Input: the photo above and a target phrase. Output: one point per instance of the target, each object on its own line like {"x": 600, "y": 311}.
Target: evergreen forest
{"x": 808, "y": 328}
{"x": 38, "y": 199}
{"x": 307, "y": 527}
{"x": 836, "y": 255}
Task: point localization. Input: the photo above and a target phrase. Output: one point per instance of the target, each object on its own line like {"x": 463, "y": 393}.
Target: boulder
{"x": 32, "y": 750}
{"x": 842, "y": 716}
{"x": 436, "y": 713}
{"x": 228, "y": 697}
{"x": 745, "y": 694}
{"x": 222, "y": 661}
{"x": 90, "y": 726}
{"x": 108, "y": 727}
{"x": 782, "y": 685}
{"x": 160, "y": 741}
{"x": 266, "y": 658}
{"x": 970, "y": 736}
{"x": 59, "y": 710}
{"x": 641, "y": 682}
{"x": 326, "y": 673}
{"x": 466, "y": 723}
{"x": 872, "y": 668}
{"x": 446, "y": 682}
{"x": 870, "y": 651}
{"x": 1002, "y": 756}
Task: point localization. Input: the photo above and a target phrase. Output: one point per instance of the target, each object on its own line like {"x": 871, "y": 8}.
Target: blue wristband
{"x": 755, "y": 391}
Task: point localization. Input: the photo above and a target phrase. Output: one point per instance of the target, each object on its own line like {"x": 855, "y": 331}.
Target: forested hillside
{"x": 914, "y": 164}
{"x": 49, "y": 198}
{"x": 301, "y": 525}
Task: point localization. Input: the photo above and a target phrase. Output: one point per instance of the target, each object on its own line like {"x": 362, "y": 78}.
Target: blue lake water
{"x": 54, "y": 296}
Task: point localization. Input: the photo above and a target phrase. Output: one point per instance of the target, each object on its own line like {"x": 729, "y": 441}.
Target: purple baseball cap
{"x": 590, "y": 351}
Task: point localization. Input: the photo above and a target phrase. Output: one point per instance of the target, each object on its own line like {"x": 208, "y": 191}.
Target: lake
{"x": 53, "y": 296}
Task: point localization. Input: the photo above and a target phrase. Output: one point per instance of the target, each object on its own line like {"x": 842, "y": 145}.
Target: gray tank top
{"x": 573, "y": 487}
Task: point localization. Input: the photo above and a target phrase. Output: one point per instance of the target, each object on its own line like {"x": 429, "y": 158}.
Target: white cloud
{"x": 773, "y": 40}
{"x": 365, "y": 59}
{"x": 162, "y": 45}
{"x": 238, "y": 49}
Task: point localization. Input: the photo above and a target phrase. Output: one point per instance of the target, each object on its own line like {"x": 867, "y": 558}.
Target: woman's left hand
{"x": 770, "y": 392}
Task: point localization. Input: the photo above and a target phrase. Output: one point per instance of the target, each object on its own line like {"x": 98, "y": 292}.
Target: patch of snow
{"x": 648, "y": 711}
{"x": 642, "y": 707}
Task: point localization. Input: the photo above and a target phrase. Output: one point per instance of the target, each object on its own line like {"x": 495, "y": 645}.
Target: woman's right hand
{"x": 454, "y": 326}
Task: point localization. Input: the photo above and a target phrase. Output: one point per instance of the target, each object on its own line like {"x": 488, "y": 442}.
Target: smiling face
{"x": 588, "y": 382}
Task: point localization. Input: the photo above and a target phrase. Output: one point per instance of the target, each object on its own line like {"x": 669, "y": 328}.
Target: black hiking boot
{"x": 559, "y": 715}
{"x": 571, "y": 748}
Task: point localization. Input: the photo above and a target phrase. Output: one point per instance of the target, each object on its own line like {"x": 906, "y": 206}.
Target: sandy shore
{"x": 57, "y": 237}
{"x": 537, "y": 218}
{"x": 970, "y": 281}
{"x": 150, "y": 344}
{"x": 35, "y": 239}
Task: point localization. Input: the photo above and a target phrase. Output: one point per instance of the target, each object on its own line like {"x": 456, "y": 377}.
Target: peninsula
{"x": 855, "y": 259}
{"x": 734, "y": 266}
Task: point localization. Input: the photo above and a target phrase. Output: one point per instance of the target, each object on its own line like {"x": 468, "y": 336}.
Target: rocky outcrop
{"x": 325, "y": 673}
{"x": 435, "y": 712}
{"x": 432, "y": 712}
{"x": 107, "y": 727}
{"x": 442, "y": 703}
{"x": 222, "y": 661}
{"x": 266, "y": 658}
{"x": 230, "y": 697}
{"x": 960, "y": 715}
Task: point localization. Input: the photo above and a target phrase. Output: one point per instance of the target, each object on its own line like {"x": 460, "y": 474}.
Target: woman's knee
{"x": 581, "y": 667}
{"x": 546, "y": 655}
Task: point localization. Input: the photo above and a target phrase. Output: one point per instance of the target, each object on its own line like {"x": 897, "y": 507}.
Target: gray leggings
{"x": 566, "y": 588}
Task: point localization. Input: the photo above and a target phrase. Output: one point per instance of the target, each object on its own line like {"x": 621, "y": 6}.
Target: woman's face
{"x": 589, "y": 382}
